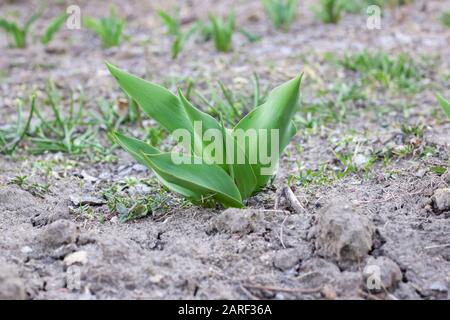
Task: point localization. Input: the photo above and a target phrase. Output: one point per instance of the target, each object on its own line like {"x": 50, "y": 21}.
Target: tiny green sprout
{"x": 108, "y": 29}
{"x": 63, "y": 132}
{"x": 281, "y": 12}
{"x": 242, "y": 169}
{"x": 11, "y": 136}
{"x": 329, "y": 11}
{"x": 445, "y": 105}
{"x": 54, "y": 25}
{"x": 222, "y": 32}
{"x": 445, "y": 19}
{"x": 17, "y": 33}
{"x": 172, "y": 23}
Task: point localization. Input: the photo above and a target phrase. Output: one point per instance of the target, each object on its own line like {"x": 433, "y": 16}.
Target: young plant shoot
{"x": 224, "y": 164}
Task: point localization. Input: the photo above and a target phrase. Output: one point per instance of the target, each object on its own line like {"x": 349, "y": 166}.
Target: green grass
{"x": 17, "y": 33}
{"x": 445, "y": 19}
{"x": 36, "y": 189}
{"x": 108, "y": 29}
{"x": 400, "y": 71}
{"x": 64, "y": 132}
{"x": 230, "y": 104}
{"x": 329, "y": 11}
{"x": 222, "y": 32}
{"x": 12, "y": 135}
{"x": 281, "y": 12}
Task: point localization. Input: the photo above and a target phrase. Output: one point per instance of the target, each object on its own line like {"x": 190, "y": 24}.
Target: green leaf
{"x": 203, "y": 179}
{"x": 137, "y": 148}
{"x": 243, "y": 173}
{"x": 54, "y": 25}
{"x": 444, "y": 105}
{"x": 276, "y": 113}
{"x": 156, "y": 101}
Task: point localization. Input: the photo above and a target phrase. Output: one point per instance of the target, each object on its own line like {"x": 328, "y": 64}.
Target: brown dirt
{"x": 394, "y": 217}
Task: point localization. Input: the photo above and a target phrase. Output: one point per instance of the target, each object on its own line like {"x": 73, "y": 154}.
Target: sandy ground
{"x": 391, "y": 218}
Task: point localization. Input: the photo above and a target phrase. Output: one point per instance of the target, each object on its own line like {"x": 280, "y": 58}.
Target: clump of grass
{"x": 173, "y": 25}
{"x": 108, "y": 29}
{"x": 445, "y": 105}
{"x": 129, "y": 207}
{"x": 18, "y": 34}
{"x": 401, "y": 70}
{"x": 230, "y": 105}
{"x": 329, "y": 11}
{"x": 445, "y": 19}
{"x": 36, "y": 189}
{"x": 281, "y": 12}
{"x": 11, "y": 136}
{"x": 54, "y": 25}
{"x": 63, "y": 132}
{"x": 222, "y": 32}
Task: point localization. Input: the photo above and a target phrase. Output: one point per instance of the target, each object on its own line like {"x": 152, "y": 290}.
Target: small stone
{"x": 343, "y": 234}
{"x": 382, "y": 269}
{"x": 242, "y": 221}
{"x": 89, "y": 200}
{"x": 359, "y": 160}
{"x": 286, "y": 259}
{"x": 60, "y": 232}
{"x": 11, "y": 286}
{"x": 441, "y": 200}
{"x": 440, "y": 286}
{"x": 26, "y": 250}
{"x": 78, "y": 257}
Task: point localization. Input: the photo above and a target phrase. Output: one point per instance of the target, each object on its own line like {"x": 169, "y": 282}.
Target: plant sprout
{"x": 226, "y": 183}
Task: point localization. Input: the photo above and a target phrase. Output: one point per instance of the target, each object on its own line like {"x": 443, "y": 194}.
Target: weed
{"x": 108, "y": 29}
{"x": 196, "y": 180}
{"x": 10, "y": 137}
{"x": 445, "y": 19}
{"x": 281, "y": 12}
{"x": 62, "y": 133}
{"x": 53, "y": 27}
{"x": 17, "y": 33}
{"x": 401, "y": 70}
{"x": 231, "y": 105}
{"x": 445, "y": 105}
{"x": 329, "y": 11}
{"x": 222, "y": 32}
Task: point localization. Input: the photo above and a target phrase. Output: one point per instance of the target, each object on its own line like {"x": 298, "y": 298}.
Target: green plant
{"x": 222, "y": 32}
{"x": 445, "y": 105}
{"x": 230, "y": 105}
{"x": 180, "y": 40}
{"x": 11, "y": 136}
{"x": 281, "y": 12}
{"x": 63, "y": 133}
{"x": 18, "y": 33}
{"x": 54, "y": 25}
{"x": 401, "y": 70}
{"x": 227, "y": 182}
{"x": 172, "y": 23}
{"x": 445, "y": 19}
{"x": 36, "y": 189}
{"x": 108, "y": 29}
{"x": 329, "y": 11}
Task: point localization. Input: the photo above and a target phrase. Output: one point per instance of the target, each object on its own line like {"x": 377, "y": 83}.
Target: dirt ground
{"x": 391, "y": 218}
